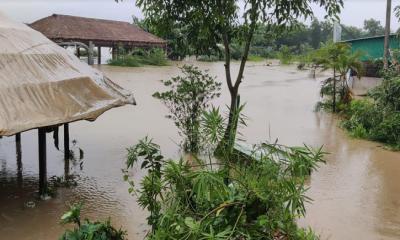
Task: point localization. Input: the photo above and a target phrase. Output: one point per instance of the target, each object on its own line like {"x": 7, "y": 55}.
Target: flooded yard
{"x": 356, "y": 193}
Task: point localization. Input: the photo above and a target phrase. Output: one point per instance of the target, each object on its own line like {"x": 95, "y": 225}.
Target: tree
{"x": 209, "y": 23}
{"x": 351, "y": 32}
{"x": 316, "y": 34}
{"x": 188, "y": 97}
{"x": 338, "y": 56}
{"x": 373, "y": 28}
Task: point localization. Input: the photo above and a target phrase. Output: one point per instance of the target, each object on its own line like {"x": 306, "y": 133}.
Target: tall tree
{"x": 387, "y": 35}
{"x": 373, "y": 27}
{"x": 211, "y": 22}
{"x": 316, "y": 34}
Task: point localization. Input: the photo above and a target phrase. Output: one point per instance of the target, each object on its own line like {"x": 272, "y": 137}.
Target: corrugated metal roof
{"x": 369, "y": 38}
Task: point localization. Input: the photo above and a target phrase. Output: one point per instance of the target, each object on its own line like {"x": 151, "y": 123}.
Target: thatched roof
{"x": 107, "y": 33}
{"x": 42, "y": 84}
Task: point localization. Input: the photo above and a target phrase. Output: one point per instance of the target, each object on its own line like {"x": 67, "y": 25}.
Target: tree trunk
{"x": 387, "y": 35}
{"x": 334, "y": 91}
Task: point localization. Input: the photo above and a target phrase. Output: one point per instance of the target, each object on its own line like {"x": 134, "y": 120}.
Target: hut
{"x": 43, "y": 86}
{"x": 98, "y": 32}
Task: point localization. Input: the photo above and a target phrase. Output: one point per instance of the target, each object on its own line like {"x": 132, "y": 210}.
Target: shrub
{"x": 259, "y": 199}
{"x": 362, "y": 113}
{"x": 285, "y": 55}
{"x": 211, "y": 58}
{"x": 388, "y": 131}
{"x": 369, "y": 119}
{"x": 255, "y": 58}
{"x": 189, "y": 96}
{"x": 88, "y": 230}
{"x": 140, "y": 57}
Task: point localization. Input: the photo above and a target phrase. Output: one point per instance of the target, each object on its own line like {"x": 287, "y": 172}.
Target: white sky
{"x": 354, "y": 12}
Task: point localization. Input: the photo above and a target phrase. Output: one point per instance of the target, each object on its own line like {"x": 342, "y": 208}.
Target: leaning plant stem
{"x": 220, "y": 207}
{"x": 236, "y": 223}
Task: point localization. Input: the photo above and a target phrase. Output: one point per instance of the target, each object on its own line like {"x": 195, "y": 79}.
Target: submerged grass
{"x": 154, "y": 57}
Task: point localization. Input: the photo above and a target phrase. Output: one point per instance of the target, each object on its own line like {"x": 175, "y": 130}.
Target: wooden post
{"x": 66, "y": 151}
{"x": 90, "y": 53}
{"x": 114, "y": 53}
{"x": 78, "y": 52}
{"x": 19, "y": 158}
{"x": 99, "y": 55}
{"x": 66, "y": 141}
{"x": 42, "y": 161}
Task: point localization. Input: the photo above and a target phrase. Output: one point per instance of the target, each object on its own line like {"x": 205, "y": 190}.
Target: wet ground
{"x": 356, "y": 193}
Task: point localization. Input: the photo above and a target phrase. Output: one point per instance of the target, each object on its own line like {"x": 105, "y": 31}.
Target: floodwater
{"x": 356, "y": 193}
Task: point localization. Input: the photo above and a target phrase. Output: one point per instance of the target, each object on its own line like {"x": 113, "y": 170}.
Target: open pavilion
{"x": 91, "y": 32}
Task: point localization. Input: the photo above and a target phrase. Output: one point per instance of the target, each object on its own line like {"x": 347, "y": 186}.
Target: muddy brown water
{"x": 356, "y": 193}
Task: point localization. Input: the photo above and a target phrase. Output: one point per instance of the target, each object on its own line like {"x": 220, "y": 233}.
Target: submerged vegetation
{"x": 189, "y": 96}
{"x": 88, "y": 230}
{"x": 336, "y": 90}
{"x": 259, "y": 198}
{"x": 252, "y": 196}
{"x": 139, "y": 57}
{"x": 378, "y": 116}
{"x": 375, "y": 117}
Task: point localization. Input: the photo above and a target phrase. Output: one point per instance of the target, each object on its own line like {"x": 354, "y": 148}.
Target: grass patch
{"x": 255, "y": 58}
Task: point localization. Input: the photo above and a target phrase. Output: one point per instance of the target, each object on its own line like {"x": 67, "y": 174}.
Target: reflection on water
{"x": 356, "y": 195}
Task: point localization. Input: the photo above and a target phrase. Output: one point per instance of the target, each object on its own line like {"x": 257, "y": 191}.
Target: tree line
{"x": 267, "y": 39}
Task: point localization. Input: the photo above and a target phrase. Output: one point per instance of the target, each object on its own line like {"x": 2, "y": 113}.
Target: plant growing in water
{"x": 339, "y": 58}
{"x": 88, "y": 230}
{"x": 189, "y": 96}
{"x": 259, "y": 198}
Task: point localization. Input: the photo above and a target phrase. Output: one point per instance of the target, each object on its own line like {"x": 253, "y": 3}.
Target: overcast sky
{"x": 354, "y": 12}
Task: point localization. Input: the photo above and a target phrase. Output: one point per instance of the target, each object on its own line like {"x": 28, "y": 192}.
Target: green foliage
{"x": 339, "y": 58}
{"x": 285, "y": 55}
{"x": 189, "y": 96}
{"x": 377, "y": 118}
{"x": 255, "y": 58}
{"x": 206, "y": 24}
{"x": 211, "y": 58}
{"x": 151, "y": 183}
{"x": 258, "y": 199}
{"x": 88, "y": 230}
{"x": 373, "y": 28}
{"x": 139, "y": 58}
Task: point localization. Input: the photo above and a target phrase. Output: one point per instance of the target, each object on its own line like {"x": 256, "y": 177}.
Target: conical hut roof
{"x": 42, "y": 84}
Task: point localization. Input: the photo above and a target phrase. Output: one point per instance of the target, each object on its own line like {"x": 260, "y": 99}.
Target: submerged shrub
{"x": 140, "y": 57}
{"x": 285, "y": 55}
{"x": 378, "y": 118}
{"x": 88, "y": 230}
{"x": 189, "y": 95}
{"x": 259, "y": 199}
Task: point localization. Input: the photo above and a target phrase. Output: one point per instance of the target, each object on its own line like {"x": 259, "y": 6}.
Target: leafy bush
{"x": 211, "y": 58}
{"x": 285, "y": 55}
{"x": 259, "y": 199}
{"x": 189, "y": 96}
{"x": 255, "y": 58}
{"x": 140, "y": 57}
{"x": 378, "y": 118}
{"x": 339, "y": 58}
{"x": 88, "y": 230}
